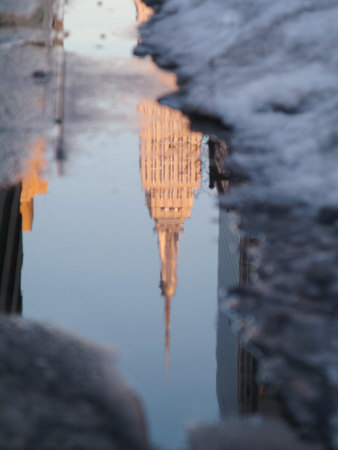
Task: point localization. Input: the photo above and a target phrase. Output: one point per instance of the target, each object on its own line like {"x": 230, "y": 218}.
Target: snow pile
{"x": 267, "y": 69}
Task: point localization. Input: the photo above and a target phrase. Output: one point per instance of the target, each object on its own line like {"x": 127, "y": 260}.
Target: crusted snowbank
{"x": 267, "y": 69}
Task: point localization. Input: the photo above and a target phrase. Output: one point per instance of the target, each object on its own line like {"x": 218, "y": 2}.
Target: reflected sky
{"x": 92, "y": 262}
{"x": 124, "y": 231}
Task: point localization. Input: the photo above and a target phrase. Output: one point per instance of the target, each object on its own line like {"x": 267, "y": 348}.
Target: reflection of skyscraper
{"x": 170, "y": 171}
{"x": 16, "y": 215}
{"x": 32, "y": 184}
{"x": 10, "y": 250}
{"x": 236, "y": 368}
{"x": 227, "y": 341}
{"x": 247, "y": 364}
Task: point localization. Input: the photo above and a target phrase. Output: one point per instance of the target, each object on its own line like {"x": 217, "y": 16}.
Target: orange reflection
{"x": 144, "y": 12}
{"x": 33, "y": 183}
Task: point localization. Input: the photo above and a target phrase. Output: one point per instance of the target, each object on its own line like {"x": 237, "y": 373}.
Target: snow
{"x": 268, "y": 69}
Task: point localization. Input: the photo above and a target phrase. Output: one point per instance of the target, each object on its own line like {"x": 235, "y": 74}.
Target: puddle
{"x": 128, "y": 247}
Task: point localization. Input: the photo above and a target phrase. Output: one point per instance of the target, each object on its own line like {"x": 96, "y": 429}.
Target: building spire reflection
{"x": 170, "y": 171}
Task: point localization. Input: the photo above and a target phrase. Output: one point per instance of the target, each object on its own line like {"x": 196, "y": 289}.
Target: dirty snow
{"x": 267, "y": 69}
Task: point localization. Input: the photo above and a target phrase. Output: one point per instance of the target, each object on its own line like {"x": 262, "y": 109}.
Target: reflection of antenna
{"x": 168, "y": 237}
{"x": 167, "y": 331}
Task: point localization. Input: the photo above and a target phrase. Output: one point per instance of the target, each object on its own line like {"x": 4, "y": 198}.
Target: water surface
{"x": 122, "y": 239}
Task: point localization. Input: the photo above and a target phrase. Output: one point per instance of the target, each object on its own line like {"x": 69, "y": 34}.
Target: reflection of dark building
{"x": 227, "y": 342}
{"x": 218, "y": 150}
{"x": 10, "y": 250}
{"x": 247, "y": 365}
{"x": 237, "y": 391}
{"x": 171, "y": 171}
